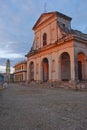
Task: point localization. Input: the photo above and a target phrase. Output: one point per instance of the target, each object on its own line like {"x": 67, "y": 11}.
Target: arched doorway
{"x": 45, "y": 66}
{"x": 31, "y": 68}
{"x": 81, "y": 66}
{"x": 65, "y": 67}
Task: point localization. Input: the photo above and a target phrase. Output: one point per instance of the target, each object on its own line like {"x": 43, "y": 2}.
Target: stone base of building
{"x": 76, "y": 85}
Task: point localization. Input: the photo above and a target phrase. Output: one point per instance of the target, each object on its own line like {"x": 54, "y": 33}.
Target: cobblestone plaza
{"x": 41, "y": 108}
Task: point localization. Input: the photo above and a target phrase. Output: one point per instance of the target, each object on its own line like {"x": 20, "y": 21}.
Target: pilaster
{"x": 74, "y": 68}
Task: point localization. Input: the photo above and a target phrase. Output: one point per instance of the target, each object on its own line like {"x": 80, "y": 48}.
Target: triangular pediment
{"x": 44, "y": 17}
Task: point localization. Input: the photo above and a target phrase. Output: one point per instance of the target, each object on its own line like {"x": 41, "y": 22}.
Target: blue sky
{"x": 17, "y": 18}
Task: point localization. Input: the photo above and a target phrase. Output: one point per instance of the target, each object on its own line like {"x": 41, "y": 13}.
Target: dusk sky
{"x": 17, "y": 18}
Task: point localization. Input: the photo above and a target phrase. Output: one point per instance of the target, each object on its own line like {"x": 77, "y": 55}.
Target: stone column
{"x": 59, "y": 70}
{"x": 55, "y": 67}
{"x": 86, "y": 70}
{"x": 35, "y": 70}
{"x": 74, "y": 68}
{"x": 23, "y": 76}
{"x": 28, "y": 72}
{"x": 40, "y": 71}
{"x": 50, "y": 69}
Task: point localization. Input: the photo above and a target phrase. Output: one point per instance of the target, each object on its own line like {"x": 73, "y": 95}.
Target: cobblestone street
{"x": 35, "y": 108}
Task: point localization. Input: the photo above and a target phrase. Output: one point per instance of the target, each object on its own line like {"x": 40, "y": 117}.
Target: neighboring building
{"x": 12, "y": 78}
{"x": 1, "y": 79}
{"x": 20, "y": 72}
{"x": 8, "y": 70}
{"x": 58, "y": 53}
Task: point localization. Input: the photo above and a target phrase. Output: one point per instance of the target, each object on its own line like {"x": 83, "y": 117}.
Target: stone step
{"x": 66, "y": 85}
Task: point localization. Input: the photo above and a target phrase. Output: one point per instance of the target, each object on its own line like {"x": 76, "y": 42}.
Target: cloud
{"x": 3, "y": 69}
{"x": 12, "y": 50}
{"x": 4, "y": 54}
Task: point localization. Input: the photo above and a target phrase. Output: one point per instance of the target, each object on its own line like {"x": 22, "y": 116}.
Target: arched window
{"x": 44, "y": 39}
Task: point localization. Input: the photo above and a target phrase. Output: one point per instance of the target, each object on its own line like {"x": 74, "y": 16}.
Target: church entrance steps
{"x": 65, "y": 84}
{"x": 77, "y": 86}
{"x": 62, "y": 84}
{"x": 82, "y": 85}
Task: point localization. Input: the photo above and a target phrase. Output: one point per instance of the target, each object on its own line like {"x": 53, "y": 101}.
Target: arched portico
{"x": 65, "y": 66}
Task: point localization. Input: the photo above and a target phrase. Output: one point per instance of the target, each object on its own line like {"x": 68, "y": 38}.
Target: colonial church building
{"x": 58, "y": 53}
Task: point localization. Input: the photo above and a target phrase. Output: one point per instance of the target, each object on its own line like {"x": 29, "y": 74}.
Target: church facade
{"x": 58, "y": 52}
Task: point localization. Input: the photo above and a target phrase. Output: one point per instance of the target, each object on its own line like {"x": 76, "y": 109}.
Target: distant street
{"x": 35, "y": 108}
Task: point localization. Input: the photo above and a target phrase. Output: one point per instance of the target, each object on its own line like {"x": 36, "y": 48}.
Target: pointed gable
{"x": 44, "y": 17}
